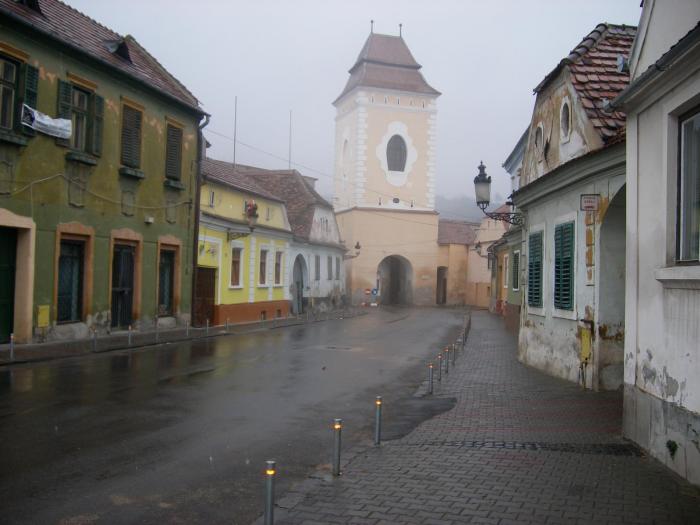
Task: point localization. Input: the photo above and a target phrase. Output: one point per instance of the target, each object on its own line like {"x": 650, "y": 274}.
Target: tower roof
{"x": 386, "y": 62}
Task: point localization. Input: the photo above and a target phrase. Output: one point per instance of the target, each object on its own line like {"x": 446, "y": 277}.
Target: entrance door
{"x": 298, "y": 279}
{"x": 122, "y": 285}
{"x": 8, "y": 256}
{"x": 204, "y": 296}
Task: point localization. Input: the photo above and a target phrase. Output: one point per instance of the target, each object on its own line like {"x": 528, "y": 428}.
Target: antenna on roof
{"x": 371, "y": 26}
{"x": 400, "y": 26}
{"x": 290, "y": 140}
{"x": 235, "y": 127}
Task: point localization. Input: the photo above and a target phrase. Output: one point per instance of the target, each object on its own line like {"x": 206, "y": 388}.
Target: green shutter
{"x": 30, "y": 92}
{"x": 63, "y": 110}
{"x": 173, "y": 153}
{"x": 98, "y": 112}
{"x": 516, "y": 271}
{"x": 564, "y": 266}
{"x": 534, "y": 270}
{"x": 131, "y": 137}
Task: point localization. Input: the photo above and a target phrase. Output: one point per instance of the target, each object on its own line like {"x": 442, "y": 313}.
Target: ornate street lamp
{"x": 482, "y": 187}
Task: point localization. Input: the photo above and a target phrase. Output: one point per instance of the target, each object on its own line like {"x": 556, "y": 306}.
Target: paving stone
{"x": 518, "y": 447}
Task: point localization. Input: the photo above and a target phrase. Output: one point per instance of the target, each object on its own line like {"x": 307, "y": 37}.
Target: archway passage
{"x": 299, "y": 279}
{"x": 611, "y": 305}
{"x": 395, "y": 280}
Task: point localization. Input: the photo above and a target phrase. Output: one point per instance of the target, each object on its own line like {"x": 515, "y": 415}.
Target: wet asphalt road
{"x": 179, "y": 433}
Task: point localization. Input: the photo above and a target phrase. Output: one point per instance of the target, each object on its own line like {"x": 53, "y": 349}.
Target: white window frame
{"x": 279, "y": 283}
{"x": 267, "y": 250}
{"x": 317, "y": 268}
{"x": 557, "y": 312}
{"x": 506, "y": 262}
{"x": 519, "y": 268}
{"x": 236, "y": 245}
{"x": 533, "y": 310}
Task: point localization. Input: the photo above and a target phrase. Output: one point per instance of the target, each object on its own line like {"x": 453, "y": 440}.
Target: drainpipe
{"x": 198, "y": 191}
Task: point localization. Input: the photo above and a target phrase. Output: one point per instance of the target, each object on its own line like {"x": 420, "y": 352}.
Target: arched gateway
{"x": 395, "y": 280}
{"x": 300, "y": 279}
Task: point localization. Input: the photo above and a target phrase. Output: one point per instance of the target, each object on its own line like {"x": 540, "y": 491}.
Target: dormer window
{"x": 31, "y": 4}
{"x": 119, "y": 48}
{"x": 396, "y": 153}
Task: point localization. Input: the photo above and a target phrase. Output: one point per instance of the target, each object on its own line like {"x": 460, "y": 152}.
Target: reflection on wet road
{"x": 179, "y": 433}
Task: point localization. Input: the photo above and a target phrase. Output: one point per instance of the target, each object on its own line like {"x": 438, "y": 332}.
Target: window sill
{"x": 538, "y": 311}
{"x": 564, "y": 314}
{"x": 280, "y": 285}
{"x": 82, "y": 158}
{"x": 11, "y": 138}
{"x": 131, "y": 172}
{"x": 173, "y": 184}
{"x": 239, "y": 287}
{"x": 683, "y": 277}
{"x": 263, "y": 285}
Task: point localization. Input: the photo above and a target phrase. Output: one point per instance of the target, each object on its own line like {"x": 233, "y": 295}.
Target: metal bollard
{"x": 227, "y": 325}
{"x": 430, "y": 379}
{"x": 187, "y": 328}
{"x": 337, "y": 429}
{"x": 94, "y": 340}
{"x": 447, "y": 360}
{"x": 12, "y": 347}
{"x": 128, "y": 337}
{"x": 207, "y": 330}
{"x": 439, "y": 365}
{"x": 270, "y": 493}
{"x": 378, "y": 421}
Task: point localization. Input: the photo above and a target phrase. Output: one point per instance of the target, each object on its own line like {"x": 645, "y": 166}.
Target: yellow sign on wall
{"x": 586, "y": 344}
{"x": 42, "y": 315}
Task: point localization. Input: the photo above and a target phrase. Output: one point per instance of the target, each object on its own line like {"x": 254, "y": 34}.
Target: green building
{"x": 98, "y": 189}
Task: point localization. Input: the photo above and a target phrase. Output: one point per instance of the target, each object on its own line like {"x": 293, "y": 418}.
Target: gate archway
{"x": 395, "y": 280}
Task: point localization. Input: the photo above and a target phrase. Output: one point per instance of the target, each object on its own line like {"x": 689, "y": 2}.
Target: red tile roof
{"x": 237, "y": 177}
{"x": 456, "y": 232}
{"x": 595, "y": 76}
{"x": 386, "y": 62}
{"x": 81, "y": 32}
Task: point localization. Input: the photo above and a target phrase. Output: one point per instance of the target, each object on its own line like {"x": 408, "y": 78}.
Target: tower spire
{"x": 371, "y": 26}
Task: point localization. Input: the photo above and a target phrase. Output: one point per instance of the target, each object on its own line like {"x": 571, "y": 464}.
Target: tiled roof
{"x": 71, "y": 27}
{"x": 298, "y": 193}
{"x": 456, "y": 232}
{"x": 237, "y": 177}
{"x": 595, "y": 76}
{"x": 386, "y": 62}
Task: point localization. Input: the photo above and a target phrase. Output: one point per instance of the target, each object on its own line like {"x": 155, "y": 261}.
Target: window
{"x": 70, "y": 282}
{"x": 212, "y": 197}
{"x": 8, "y": 88}
{"x": 534, "y": 270}
{"x": 330, "y": 268}
{"x": 396, "y": 153}
{"x": 236, "y": 256}
{"x": 337, "y": 268}
{"x": 564, "y": 266}
{"x": 317, "y": 267}
{"x": 173, "y": 152}
{"x": 85, "y": 110}
{"x": 278, "y": 267}
{"x": 539, "y": 138}
{"x": 516, "y": 271}
{"x": 79, "y": 118}
{"x": 505, "y": 271}
{"x": 689, "y": 190}
{"x": 565, "y": 120}
{"x": 131, "y": 137}
{"x": 267, "y": 213}
{"x": 166, "y": 282}
{"x": 263, "y": 267}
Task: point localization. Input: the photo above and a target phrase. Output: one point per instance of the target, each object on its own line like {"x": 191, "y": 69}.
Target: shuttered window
{"x": 131, "y": 137}
{"x": 263, "y": 267}
{"x": 564, "y": 266}
{"x": 173, "y": 153}
{"x": 30, "y": 92}
{"x": 236, "y": 266}
{"x": 85, "y": 110}
{"x": 534, "y": 270}
{"x": 516, "y": 270}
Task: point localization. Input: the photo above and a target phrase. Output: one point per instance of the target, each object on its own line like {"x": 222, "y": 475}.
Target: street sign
{"x": 375, "y": 291}
{"x": 590, "y": 201}
{"x": 367, "y": 291}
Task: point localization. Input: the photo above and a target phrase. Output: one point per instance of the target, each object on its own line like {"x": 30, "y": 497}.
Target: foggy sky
{"x": 276, "y": 56}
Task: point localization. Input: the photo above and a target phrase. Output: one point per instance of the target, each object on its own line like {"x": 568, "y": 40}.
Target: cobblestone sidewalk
{"x": 519, "y": 447}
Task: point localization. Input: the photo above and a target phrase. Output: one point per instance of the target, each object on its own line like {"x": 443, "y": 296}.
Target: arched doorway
{"x": 395, "y": 280}
{"x": 441, "y": 288}
{"x": 300, "y": 276}
{"x": 611, "y": 298}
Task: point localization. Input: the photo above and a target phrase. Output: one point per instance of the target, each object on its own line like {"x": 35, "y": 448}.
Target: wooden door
{"x": 204, "y": 296}
{"x": 122, "y": 285}
{"x": 8, "y": 256}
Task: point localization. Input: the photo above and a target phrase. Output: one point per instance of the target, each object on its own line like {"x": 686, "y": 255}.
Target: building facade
{"x": 96, "y": 189}
{"x": 243, "y": 251}
{"x": 662, "y": 363}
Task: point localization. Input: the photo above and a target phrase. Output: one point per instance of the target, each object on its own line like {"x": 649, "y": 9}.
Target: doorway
{"x": 395, "y": 280}
{"x": 204, "y": 296}
{"x": 441, "y": 288}
{"x": 122, "y": 285}
{"x": 299, "y": 279}
{"x": 8, "y": 258}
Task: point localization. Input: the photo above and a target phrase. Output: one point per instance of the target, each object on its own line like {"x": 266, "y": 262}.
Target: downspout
{"x": 198, "y": 191}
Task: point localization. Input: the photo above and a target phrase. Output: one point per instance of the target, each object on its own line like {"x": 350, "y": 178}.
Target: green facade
{"x": 57, "y": 188}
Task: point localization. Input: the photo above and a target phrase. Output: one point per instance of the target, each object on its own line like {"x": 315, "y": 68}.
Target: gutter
{"x": 26, "y": 23}
{"x": 655, "y": 70}
{"x": 198, "y": 193}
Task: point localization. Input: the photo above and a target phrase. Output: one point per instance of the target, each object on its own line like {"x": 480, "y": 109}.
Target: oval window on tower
{"x": 396, "y": 153}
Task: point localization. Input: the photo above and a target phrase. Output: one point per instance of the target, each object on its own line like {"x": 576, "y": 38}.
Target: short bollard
{"x": 128, "y": 337}
{"x": 430, "y": 379}
{"x": 12, "y": 347}
{"x": 187, "y": 328}
{"x": 337, "y": 430}
{"x": 378, "y": 421}
{"x": 454, "y": 353}
{"x": 94, "y": 340}
{"x": 227, "y": 325}
{"x": 447, "y": 360}
{"x": 439, "y": 365}
{"x": 270, "y": 493}
{"x": 207, "y": 329}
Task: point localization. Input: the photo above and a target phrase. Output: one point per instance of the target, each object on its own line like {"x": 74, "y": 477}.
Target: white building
{"x": 662, "y": 339}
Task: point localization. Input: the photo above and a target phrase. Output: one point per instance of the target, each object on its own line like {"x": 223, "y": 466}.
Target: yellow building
{"x": 241, "y": 261}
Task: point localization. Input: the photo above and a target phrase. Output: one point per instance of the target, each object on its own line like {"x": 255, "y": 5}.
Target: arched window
{"x": 396, "y": 153}
{"x": 565, "y": 120}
